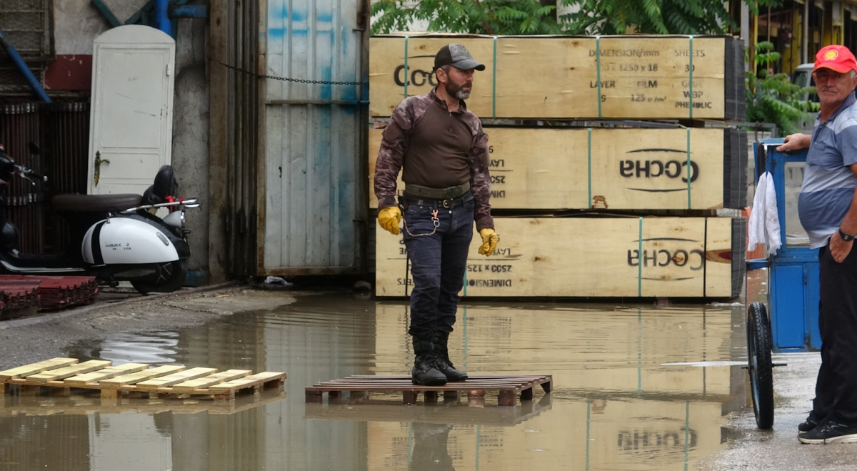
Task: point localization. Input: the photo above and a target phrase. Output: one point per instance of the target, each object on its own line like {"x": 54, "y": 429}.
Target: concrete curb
{"x": 10, "y": 324}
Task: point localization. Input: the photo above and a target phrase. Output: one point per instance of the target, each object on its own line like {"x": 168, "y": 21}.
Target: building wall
{"x": 78, "y": 22}
{"x": 190, "y": 133}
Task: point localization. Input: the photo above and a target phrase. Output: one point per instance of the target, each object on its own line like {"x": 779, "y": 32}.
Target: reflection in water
{"x": 430, "y": 449}
{"x": 614, "y": 404}
{"x": 157, "y": 347}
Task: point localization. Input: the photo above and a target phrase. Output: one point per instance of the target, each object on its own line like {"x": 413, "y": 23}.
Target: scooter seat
{"x": 95, "y": 203}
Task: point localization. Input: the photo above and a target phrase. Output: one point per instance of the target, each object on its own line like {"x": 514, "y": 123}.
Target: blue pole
{"x": 162, "y": 18}
{"x": 19, "y": 62}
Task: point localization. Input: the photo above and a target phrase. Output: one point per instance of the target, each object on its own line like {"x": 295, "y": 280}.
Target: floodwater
{"x": 619, "y": 401}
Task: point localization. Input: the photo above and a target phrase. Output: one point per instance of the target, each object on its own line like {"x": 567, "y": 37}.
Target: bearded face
{"x": 460, "y": 91}
{"x": 459, "y": 83}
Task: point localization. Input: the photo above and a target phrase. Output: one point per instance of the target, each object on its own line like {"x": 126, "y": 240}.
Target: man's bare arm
{"x": 795, "y": 142}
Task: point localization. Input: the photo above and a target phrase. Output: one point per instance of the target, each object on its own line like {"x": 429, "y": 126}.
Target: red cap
{"x": 837, "y": 58}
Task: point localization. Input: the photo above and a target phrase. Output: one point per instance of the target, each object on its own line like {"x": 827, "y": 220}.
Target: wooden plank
{"x": 253, "y": 380}
{"x": 617, "y": 169}
{"x": 640, "y": 76}
{"x": 34, "y": 368}
{"x": 216, "y": 378}
{"x": 65, "y": 372}
{"x": 135, "y": 378}
{"x": 174, "y": 378}
{"x": 598, "y": 257}
{"x": 106, "y": 373}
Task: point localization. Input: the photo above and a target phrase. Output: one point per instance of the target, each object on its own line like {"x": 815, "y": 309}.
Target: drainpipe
{"x": 162, "y": 18}
{"x": 19, "y": 62}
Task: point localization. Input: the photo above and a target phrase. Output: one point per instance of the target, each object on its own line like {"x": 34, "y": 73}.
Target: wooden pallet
{"x": 508, "y": 387}
{"x": 63, "y": 374}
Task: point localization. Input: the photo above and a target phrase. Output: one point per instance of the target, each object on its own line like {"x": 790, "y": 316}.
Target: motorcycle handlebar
{"x": 30, "y": 174}
{"x": 186, "y": 202}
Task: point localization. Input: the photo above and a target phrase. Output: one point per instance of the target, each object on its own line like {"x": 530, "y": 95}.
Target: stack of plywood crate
{"x": 609, "y": 157}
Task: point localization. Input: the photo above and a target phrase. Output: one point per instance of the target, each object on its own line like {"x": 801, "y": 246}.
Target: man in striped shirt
{"x": 827, "y": 207}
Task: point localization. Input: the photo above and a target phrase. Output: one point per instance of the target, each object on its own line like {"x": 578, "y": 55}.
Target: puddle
{"x": 615, "y": 405}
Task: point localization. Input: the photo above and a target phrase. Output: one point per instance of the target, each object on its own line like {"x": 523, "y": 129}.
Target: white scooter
{"x": 114, "y": 237}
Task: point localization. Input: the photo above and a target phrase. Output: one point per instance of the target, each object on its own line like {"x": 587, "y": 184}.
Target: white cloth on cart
{"x": 764, "y": 225}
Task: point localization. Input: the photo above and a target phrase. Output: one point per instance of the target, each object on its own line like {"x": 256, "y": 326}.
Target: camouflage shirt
{"x": 394, "y": 146}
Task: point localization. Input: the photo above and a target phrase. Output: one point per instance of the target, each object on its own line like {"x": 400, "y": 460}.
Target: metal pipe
{"x": 804, "y": 43}
{"x": 162, "y": 18}
{"x": 19, "y": 62}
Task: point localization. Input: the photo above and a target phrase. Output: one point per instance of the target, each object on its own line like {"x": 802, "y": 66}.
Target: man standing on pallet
{"x": 827, "y": 207}
{"x": 444, "y": 152}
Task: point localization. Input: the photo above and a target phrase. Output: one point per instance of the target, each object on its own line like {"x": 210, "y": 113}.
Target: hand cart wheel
{"x": 759, "y": 365}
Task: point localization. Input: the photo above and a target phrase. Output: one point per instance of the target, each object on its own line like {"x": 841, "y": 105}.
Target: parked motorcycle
{"x": 114, "y": 237}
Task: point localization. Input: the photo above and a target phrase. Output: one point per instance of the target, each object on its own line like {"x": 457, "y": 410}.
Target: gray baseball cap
{"x": 457, "y": 56}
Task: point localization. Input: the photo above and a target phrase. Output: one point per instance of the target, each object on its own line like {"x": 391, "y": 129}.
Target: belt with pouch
{"x": 449, "y": 197}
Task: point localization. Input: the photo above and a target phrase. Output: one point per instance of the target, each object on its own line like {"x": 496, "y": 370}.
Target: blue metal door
{"x": 793, "y": 291}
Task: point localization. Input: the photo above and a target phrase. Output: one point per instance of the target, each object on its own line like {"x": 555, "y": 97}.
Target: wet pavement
{"x": 625, "y": 396}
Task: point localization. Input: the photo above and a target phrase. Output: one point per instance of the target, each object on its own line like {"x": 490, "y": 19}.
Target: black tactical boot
{"x": 443, "y": 364}
{"x": 425, "y": 370}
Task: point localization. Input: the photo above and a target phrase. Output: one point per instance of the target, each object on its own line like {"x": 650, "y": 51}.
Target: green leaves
{"x": 650, "y": 16}
{"x": 773, "y": 98}
{"x": 531, "y": 17}
{"x": 500, "y": 17}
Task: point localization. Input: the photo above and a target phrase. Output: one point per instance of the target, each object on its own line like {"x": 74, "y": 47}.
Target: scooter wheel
{"x": 170, "y": 277}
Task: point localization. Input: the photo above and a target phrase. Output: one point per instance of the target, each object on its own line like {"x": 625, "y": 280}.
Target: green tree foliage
{"x": 467, "y": 16}
{"x": 772, "y": 98}
{"x": 648, "y": 16}
{"x": 540, "y": 17}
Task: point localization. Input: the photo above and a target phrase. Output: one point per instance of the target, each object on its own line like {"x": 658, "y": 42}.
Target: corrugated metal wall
{"x": 313, "y": 218}
{"x": 65, "y": 148}
{"x": 61, "y": 133}
{"x": 21, "y": 130}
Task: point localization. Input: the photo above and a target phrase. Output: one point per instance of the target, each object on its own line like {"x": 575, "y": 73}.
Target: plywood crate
{"x": 639, "y": 169}
{"x": 641, "y": 77}
{"x": 591, "y": 257}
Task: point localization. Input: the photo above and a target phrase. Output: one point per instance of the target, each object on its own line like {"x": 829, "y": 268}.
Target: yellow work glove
{"x": 389, "y": 218}
{"x": 489, "y": 241}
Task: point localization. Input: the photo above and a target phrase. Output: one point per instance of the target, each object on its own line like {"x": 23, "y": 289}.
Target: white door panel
{"x": 131, "y": 133}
